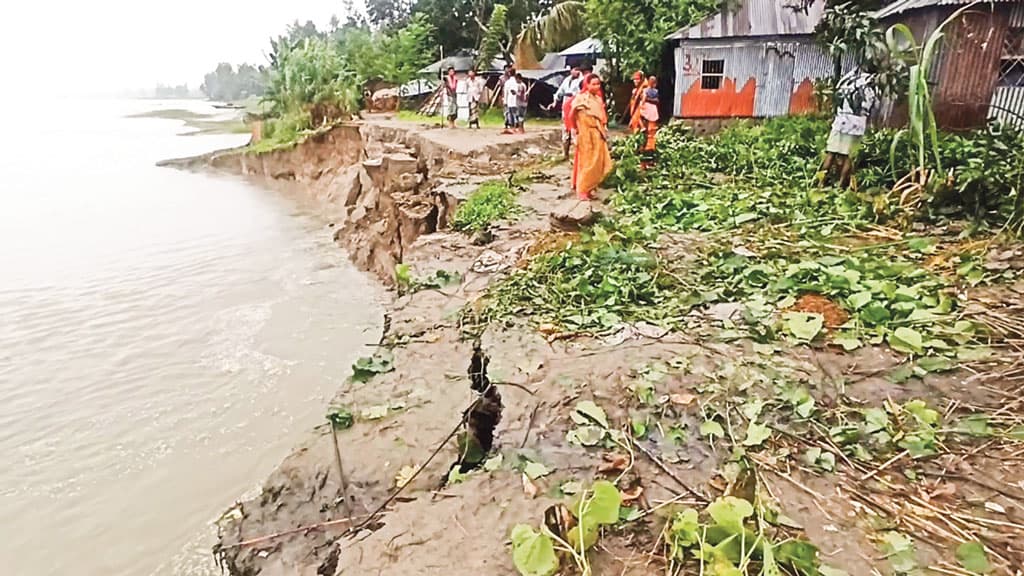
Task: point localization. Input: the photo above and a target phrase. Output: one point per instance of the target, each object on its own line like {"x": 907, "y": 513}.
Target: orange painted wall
{"x": 725, "y": 102}
{"x": 803, "y": 101}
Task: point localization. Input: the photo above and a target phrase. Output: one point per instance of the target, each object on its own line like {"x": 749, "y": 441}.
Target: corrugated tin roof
{"x": 583, "y": 48}
{"x": 756, "y": 18}
{"x": 462, "y": 61}
{"x": 902, "y": 6}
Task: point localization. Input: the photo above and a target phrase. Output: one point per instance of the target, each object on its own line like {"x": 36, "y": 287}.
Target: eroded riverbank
{"x": 389, "y": 191}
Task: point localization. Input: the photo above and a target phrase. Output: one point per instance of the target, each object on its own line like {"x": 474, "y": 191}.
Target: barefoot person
{"x": 593, "y": 160}
{"x": 636, "y": 103}
{"x": 856, "y": 99}
{"x": 510, "y": 98}
{"x": 650, "y": 115}
{"x": 451, "y": 101}
{"x": 567, "y": 90}
{"x": 475, "y": 90}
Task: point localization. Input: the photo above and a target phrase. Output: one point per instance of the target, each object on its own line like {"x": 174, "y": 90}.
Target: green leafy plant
{"x": 533, "y": 552}
{"x": 731, "y": 535}
{"x": 367, "y": 367}
{"x": 407, "y": 284}
{"x": 923, "y": 130}
{"x": 492, "y": 202}
{"x": 340, "y": 417}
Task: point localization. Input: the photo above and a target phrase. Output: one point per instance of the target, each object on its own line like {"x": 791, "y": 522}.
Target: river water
{"x": 165, "y": 338}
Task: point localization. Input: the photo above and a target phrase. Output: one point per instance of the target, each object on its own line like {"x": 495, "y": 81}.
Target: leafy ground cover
{"x": 730, "y": 237}
{"x": 760, "y": 234}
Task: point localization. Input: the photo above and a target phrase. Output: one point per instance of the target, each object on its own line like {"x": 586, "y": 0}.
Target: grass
{"x": 492, "y": 202}
{"x": 492, "y": 118}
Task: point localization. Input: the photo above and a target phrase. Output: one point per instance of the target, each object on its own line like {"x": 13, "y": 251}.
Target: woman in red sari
{"x": 593, "y": 160}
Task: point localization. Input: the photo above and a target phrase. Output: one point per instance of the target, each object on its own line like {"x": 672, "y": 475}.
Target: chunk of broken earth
{"x": 832, "y": 313}
{"x": 573, "y": 214}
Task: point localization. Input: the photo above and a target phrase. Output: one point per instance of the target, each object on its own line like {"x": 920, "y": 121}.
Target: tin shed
{"x": 756, "y": 60}
{"x": 979, "y": 73}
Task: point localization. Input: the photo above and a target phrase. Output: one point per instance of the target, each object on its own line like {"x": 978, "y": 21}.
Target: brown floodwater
{"x": 165, "y": 338}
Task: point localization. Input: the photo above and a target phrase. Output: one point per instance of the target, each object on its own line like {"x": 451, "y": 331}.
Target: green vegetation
{"x": 316, "y": 78}
{"x": 492, "y": 202}
{"x": 771, "y": 237}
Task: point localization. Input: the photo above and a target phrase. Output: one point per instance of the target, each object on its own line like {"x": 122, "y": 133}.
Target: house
{"x": 587, "y": 51}
{"x": 979, "y": 72}
{"x": 756, "y": 59}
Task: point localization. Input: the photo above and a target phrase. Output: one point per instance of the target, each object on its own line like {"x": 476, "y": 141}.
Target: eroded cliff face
{"x": 381, "y": 186}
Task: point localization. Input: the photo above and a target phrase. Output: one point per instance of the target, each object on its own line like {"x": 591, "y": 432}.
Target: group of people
{"x": 584, "y": 117}
{"x": 585, "y": 122}
{"x": 515, "y": 98}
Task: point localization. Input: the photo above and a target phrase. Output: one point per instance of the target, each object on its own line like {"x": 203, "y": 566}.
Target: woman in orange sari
{"x": 593, "y": 160}
{"x": 636, "y": 103}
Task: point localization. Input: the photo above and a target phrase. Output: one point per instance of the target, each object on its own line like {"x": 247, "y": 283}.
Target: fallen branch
{"x": 670, "y": 473}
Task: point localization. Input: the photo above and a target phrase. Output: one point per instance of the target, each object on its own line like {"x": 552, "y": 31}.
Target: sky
{"x": 107, "y": 46}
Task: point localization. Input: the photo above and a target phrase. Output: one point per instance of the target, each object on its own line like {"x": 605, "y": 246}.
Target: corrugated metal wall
{"x": 971, "y": 51}
{"x": 762, "y": 78}
{"x": 1008, "y": 105}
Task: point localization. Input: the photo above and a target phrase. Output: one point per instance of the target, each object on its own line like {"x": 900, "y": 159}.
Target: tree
{"x": 388, "y": 13}
{"x": 495, "y": 40}
{"x": 225, "y": 83}
{"x": 562, "y": 25}
{"x": 632, "y": 32}
{"x": 849, "y": 31}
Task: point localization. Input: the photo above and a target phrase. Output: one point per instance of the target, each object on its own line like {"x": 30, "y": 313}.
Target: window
{"x": 1011, "y": 67}
{"x": 711, "y": 74}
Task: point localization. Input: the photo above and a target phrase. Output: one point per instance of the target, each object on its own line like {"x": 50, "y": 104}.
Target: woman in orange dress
{"x": 636, "y": 103}
{"x": 593, "y": 160}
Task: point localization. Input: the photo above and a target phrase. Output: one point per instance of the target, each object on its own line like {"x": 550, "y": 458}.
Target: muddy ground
{"x": 298, "y": 524}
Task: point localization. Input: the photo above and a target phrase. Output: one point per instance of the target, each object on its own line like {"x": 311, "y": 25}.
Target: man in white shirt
{"x": 856, "y": 96}
{"x": 510, "y": 97}
{"x": 567, "y": 90}
{"x": 475, "y": 90}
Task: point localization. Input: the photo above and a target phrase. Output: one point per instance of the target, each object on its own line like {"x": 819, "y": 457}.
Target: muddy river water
{"x": 165, "y": 338}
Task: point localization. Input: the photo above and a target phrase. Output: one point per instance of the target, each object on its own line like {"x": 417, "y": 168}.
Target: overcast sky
{"x": 105, "y": 46}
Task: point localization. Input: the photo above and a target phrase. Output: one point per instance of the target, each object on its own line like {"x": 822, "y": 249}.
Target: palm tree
{"x": 563, "y": 25}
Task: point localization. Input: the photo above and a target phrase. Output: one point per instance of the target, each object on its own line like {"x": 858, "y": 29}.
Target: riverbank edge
{"x": 380, "y": 187}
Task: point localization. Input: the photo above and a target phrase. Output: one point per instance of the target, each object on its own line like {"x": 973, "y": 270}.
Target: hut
{"x": 979, "y": 72}
{"x": 589, "y": 51}
{"x": 755, "y": 59}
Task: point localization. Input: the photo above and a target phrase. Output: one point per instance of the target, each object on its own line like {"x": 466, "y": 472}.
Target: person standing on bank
{"x": 510, "y": 97}
{"x": 475, "y": 91}
{"x": 524, "y": 103}
{"x": 855, "y": 98}
{"x": 451, "y": 97}
{"x": 567, "y": 90}
{"x": 636, "y": 102}
{"x": 650, "y": 115}
{"x": 593, "y": 160}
